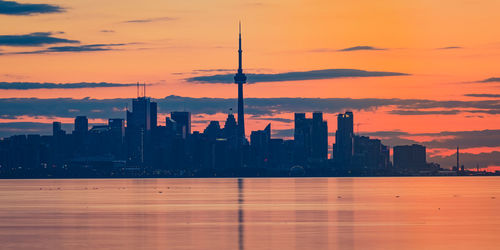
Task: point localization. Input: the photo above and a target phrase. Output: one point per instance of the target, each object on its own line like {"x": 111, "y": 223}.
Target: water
{"x": 301, "y": 213}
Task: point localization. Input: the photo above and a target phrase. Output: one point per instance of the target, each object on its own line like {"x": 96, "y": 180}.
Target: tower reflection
{"x": 241, "y": 217}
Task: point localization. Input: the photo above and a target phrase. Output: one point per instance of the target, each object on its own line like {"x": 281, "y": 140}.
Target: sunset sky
{"x": 420, "y": 71}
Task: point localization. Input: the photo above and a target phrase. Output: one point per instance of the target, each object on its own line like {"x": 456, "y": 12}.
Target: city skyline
{"x": 397, "y": 82}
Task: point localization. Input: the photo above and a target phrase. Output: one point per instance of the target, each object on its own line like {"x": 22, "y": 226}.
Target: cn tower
{"x": 240, "y": 79}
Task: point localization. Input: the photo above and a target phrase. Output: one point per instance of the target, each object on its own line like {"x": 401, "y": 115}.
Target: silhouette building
{"x": 81, "y": 125}
{"x": 138, "y": 130}
{"x": 259, "y": 146}
{"x": 343, "y": 148}
{"x": 410, "y": 157}
{"x": 311, "y": 137}
{"x": 57, "y": 130}
{"x": 182, "y": 123}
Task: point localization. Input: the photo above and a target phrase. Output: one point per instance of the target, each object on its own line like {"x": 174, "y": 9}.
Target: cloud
{"x": 294, "y": 76}
{"x": 257, "y": 107}
{"x": 14, "y": 8}
{"x": 282, "y": 133}
{"x": 491, "y": 79}
{"x": 484, "y": 95}
{"x": 444, "y": 139}
{"x": 424, "y": 112}
{"x": 32, "y": 39}
{"x": 150, "y": 20}
{"x": 425, "y": 107}
{"x": 46, "y": 85}
{"x": 276, "y": 119}
{"x": 356, "y": 48}
{"x": 107, "y": 31}
{"x": 212, "y": 70}
{"x": 469, "y": 160}
{"x": 450, "y": 47}
{"x": 10, "y": 128}
{"x": 80, "y": 48}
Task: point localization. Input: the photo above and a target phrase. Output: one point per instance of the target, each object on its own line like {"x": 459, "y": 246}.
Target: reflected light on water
{"x": 272, "y": 213}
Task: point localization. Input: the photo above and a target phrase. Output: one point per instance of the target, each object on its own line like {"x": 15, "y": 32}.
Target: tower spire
{"x": 240, "y": 66}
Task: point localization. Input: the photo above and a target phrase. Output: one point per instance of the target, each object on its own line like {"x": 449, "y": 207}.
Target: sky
{"x": 411, "y": 71}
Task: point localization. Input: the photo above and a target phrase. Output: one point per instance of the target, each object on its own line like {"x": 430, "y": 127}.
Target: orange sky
{"x": 279, "y": 36}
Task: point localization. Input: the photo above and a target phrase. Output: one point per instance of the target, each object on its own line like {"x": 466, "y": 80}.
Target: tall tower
{"x": 240, "y": 79}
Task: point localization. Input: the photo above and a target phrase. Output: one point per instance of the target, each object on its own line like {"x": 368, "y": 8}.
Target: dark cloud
{"x": 421, "y": 107}
{"x": 294, "y": 76}
{"x": 14, "y": 128}
{"x": 47, "y": 85}
{"x": 356, "y": 48}
{"x": 275, "y": 119}
{"x": 107, "y": 31}
{"x": 445, "y": 139}
{"x": 256, "y": 107}
{"x": 450, "y": 47}
{"x": 33, "y": 39}
{"x": 491, "y": 79}
{"x": 150, "y": 20}
{"x": 484, "y": 95}
{"x": 282, "y": 133}
{"x": 424, "y": 112}
{"x": 80, "y": 48}
{"x": 212, "y": 70}
{"x": 63, "y": 107}
{"x": 468, "y": 160}
{"x": 14, "y": 8}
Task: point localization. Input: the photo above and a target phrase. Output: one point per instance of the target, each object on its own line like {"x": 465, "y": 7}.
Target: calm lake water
{"x": 294, "y": 213}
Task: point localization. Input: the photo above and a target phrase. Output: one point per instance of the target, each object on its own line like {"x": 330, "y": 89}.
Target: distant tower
{"x": 458, "y": 160}
{"x": 240, "y": 79}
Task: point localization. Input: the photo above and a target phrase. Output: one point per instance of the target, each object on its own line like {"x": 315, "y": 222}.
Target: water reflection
{"x": 241, "y": 218}
{"x": 305, "y": 213}
{"x": 345, "y": 216}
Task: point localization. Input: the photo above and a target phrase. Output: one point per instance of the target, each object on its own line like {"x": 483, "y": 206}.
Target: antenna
{"x": 144, "y": 89}
{"x": 137, "y": 89}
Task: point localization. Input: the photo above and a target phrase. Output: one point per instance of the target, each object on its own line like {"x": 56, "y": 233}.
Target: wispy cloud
{"x": 79, "y": 48}
{"x": 294, "y": 76}
{"x": 33, "y": 39}
{"x": 46, "y": 85}
{"x": 484, "y": 95}
{"x": 491, "y": 79}
{"x": 450, "y": 47}
{"x": 150, "y": 20}
{"x": 15, "y": 8}
{"x": 355, "y": 48}
{"x": 424, "y": 112}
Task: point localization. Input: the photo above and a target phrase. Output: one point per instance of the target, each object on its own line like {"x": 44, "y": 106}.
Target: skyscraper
{"x": 319, "y": 136}
{"x": 240, "y": 79}
{"x": 343, "y": 149}
{"x": 139, "y": 128}
{"x": 183, "y": 123}
{"x": 56, "y": 129}
{"x": 411, "y": 157}
{"x": 81, "y": 125}
{"x": 311, "y": 137}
